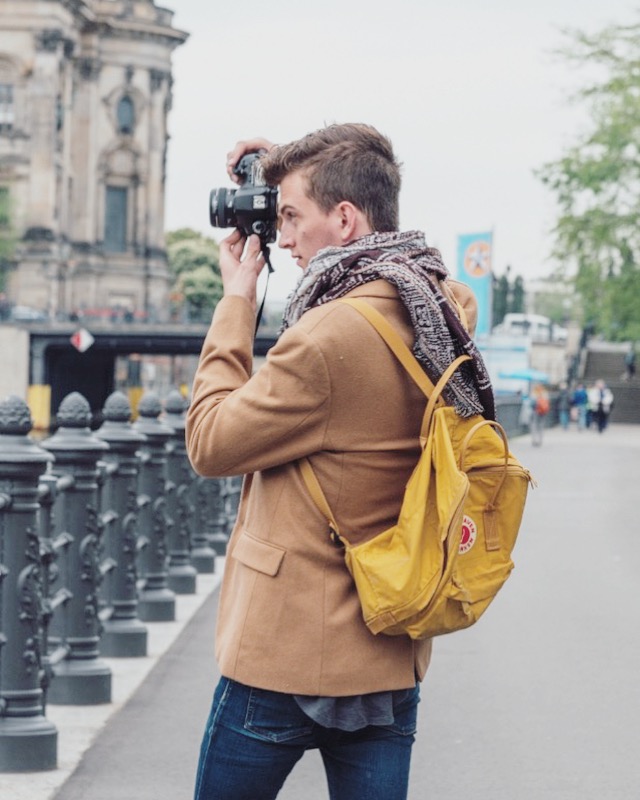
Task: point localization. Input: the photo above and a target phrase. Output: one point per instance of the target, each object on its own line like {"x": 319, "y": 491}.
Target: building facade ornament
{"x": 88, "y": 68}
{"x": 49, "y": 40}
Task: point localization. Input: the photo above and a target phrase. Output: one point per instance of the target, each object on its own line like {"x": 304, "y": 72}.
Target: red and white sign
{"x": 82, "y": 340}
{"x": 469, "y": 534}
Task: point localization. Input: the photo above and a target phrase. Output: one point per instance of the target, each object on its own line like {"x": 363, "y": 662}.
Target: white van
{"x": 534, "y": 326}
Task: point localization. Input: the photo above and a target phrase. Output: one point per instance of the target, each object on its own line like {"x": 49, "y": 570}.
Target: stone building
{"x": 85, "y": 90}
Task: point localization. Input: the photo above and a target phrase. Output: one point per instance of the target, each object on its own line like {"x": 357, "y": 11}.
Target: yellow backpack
{"x": 439, "y": 567}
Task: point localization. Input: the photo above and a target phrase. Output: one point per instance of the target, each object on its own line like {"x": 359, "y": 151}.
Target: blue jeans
{"x": 254, "y": 738}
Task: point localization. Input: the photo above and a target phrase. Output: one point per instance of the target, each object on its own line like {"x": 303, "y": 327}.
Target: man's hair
{"x": 352, "y": 162}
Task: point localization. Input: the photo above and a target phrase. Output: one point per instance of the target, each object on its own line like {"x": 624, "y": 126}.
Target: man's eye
{"x": 288, "y": 216}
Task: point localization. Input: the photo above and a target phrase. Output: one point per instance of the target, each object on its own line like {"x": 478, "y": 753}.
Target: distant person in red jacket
{"x": 540, "y": 407}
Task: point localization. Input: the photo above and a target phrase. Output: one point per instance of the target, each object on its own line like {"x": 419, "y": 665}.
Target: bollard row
{"x": 98, "y": 533}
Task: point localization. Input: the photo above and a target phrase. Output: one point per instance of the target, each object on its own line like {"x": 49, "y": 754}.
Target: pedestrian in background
{"x": 540, "y": 407}
{"x": 601, "y": 403}
{"x": 564, "y": 406}
{"x": 630, "y": 363}
{"x": 580, "y": 402}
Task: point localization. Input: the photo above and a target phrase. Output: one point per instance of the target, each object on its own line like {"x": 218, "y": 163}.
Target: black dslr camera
{"x": 253, "y": 207}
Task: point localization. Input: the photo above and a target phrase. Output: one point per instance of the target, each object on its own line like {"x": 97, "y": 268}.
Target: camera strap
{"x": 267, "y": 258}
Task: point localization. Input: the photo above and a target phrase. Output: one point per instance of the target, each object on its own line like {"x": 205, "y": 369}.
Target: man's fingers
{"x": 238, "y": 252}
{"x": 234, "y": 242}
{"x": 241, "y": 148}
{"x": 253, "y": 247}
{"x": 233, "y": 156}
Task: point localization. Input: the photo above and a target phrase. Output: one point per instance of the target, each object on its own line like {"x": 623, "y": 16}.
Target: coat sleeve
{"x": 238, "y": 422}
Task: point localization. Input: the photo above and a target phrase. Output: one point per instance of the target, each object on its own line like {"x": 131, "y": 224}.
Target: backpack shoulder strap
{"x": 394, "y": 342}
{"x": 319, "y": 498}
{"x": 409, "y": 362}
{"x": 407, "y": 359}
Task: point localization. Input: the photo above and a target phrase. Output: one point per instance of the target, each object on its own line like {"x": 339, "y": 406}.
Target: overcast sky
{"x": 469, "y": 91}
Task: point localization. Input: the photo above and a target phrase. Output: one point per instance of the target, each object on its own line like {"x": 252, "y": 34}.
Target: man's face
{"x": 304, "y": 227}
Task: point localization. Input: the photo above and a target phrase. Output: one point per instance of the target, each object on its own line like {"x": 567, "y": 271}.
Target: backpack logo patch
{"x": 469, "y": 535}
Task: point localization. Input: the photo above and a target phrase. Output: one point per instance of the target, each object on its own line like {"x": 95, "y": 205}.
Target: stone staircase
{"x": 606, "y": 361}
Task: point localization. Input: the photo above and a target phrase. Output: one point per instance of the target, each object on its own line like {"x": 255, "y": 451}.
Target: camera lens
{"x": 221, "y": 211}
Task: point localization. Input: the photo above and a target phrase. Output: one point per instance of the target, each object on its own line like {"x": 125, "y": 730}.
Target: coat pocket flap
{"x": 259, "y": 555}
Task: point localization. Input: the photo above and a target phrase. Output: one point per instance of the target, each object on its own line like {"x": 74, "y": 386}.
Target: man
{"x": 300, "y": 669}
{"x": 601, "y": 403}
{"x": 630, "y": 363}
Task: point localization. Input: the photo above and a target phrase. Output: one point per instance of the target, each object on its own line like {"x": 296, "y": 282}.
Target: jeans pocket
{"x": 405, "y": 714}
{"x": 276, "y": 717}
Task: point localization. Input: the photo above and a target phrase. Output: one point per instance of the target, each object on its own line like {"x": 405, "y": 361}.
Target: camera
{"x": 253, "y": 207}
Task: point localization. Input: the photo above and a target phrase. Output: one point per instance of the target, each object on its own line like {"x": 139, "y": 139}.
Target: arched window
{"x": 115, "y": 222}
{"x": 126, "y": 115}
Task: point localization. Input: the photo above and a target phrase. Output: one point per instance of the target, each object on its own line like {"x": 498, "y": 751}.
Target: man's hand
{"x": 240, "y": 273}
{"x": 241, "y": 149}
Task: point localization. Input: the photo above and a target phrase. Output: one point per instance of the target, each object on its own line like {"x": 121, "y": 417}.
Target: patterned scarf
{"x": 405, "y": 261}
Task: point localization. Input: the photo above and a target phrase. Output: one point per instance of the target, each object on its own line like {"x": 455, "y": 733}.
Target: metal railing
{"x": 98, "y": 533}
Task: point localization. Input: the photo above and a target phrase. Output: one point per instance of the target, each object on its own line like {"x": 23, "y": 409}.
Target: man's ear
{"x": 353, "y": 223}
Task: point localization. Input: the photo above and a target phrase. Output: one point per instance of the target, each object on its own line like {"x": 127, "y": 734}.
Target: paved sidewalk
{"x": 541, "y": 699}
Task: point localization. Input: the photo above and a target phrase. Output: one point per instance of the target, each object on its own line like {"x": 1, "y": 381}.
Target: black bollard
{"x": 107, "y": 518}
{"x": 182, "y": 573}
{"x": 28, "y": 741}
{"x": 81, "y": 678}
{"x": 53, "y": 547}
{"x": 157, "y": 603}
{"x": 217, "y": 534}
{"x": 203, "y": 490}
{"x": 124, "y": 635}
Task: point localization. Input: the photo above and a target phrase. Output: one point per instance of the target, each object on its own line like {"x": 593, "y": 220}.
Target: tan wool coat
{"x": 289, "y": 617}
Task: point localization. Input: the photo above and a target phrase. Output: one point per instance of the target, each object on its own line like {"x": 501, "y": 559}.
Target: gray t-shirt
{"x": 354, "y": 712}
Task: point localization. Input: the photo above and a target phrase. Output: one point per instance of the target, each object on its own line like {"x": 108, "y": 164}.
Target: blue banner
{"x": 475, "y": 252}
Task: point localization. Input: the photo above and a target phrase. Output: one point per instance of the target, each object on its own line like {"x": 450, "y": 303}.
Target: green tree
{"x": 597, "y": 184}
{"x": 558, "y": 302}
{"x": 508, "y": 296}
{"x": 516, "y": 300}
{"x": 194, "y": 264}
{"x": 500, "y": 300}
